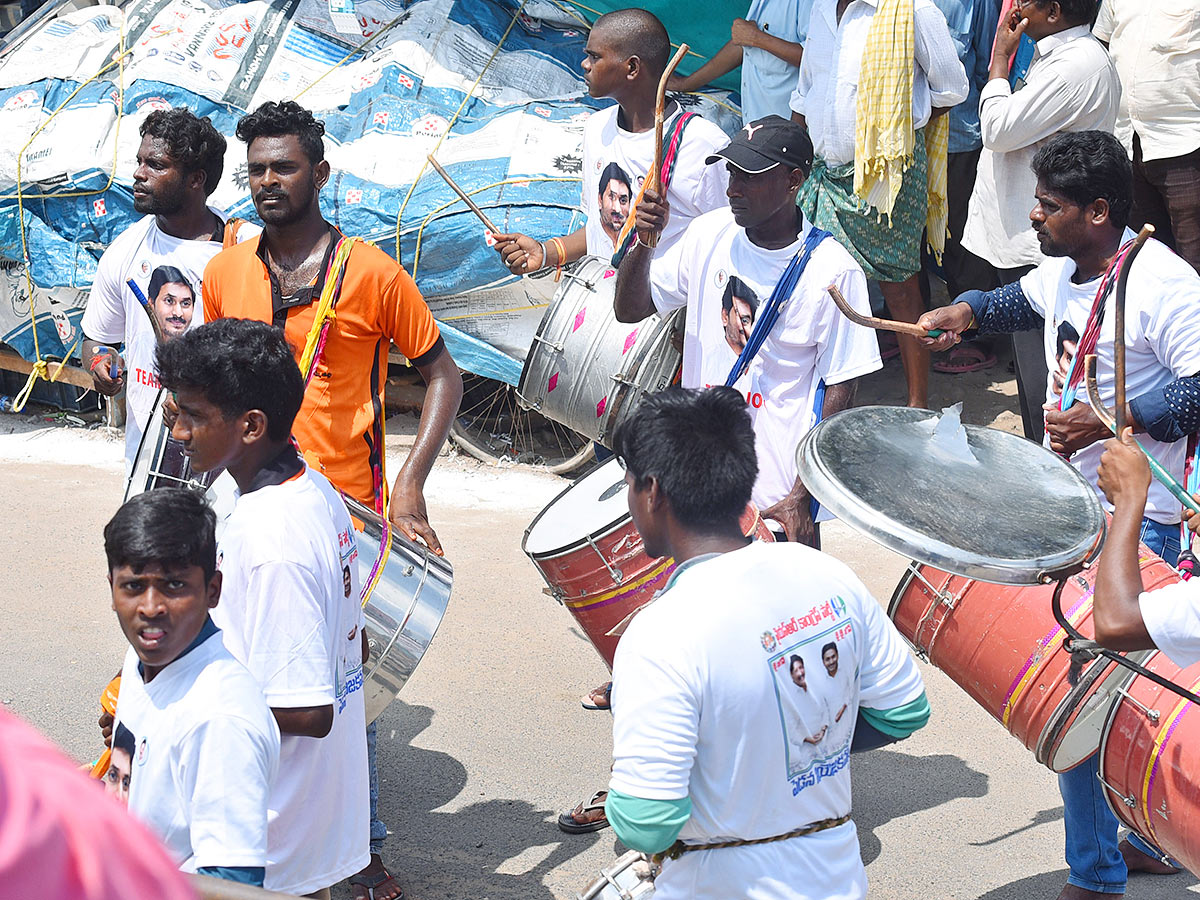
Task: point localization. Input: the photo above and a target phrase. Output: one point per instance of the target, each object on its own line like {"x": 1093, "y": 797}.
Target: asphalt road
{"x": 488, "y": 741}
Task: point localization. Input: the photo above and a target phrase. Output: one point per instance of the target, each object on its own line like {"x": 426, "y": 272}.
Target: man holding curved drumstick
{"x": 627, "y": 51}
{"x": 1081, "y": 205}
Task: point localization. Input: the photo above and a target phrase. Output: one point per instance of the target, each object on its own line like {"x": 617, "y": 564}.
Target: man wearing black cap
{"x": 805, "y": 368}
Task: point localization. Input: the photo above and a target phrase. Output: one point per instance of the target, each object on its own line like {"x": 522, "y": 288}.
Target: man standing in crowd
{"x": 768, "y": 44}
{"x": 871, "y": 185}
{"x": 807, "y": 366}
{"x": 300, "y": 268}
{"x": 1156, "y": 48}
{"x": 1071, "y": 86}
{"x": 626, "y": 54}
{"x": 206, "y": 746}
{"x": 701, "y": 741}
{"x": 1083, "y": 198}
{"x": 286, "y": 612}
{"x": 179, "y": 164}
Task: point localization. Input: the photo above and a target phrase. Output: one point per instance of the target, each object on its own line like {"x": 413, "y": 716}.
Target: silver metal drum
{"x": 631, "y": 877}
{"x": 405, "y": 591}
{"x": 585, "y": 369}
{"x": 1015, "y": 514}
{"x": 160, "y": 461}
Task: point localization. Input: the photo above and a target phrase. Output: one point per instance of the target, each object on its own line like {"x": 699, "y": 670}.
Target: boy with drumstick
{"x": 200, "y": 747}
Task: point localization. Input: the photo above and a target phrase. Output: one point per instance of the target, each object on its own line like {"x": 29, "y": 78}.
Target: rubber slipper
{"x": 372, "y": 882}
{"x": 598, "y": 698}
{"x": 965, "y": 358}
{"x": 569, "y": 821}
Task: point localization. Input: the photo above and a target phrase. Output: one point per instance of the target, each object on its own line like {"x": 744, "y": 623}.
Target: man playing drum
{"x": 1126, "y": 617}
{"x": 809, "y": 361}
{"x": 704, "y": 731}
{"x": 1082, "y": 203}
{"x": 286, "y": 612}
{"x": 300, "y": 261}
{"x": 179, "y": 164}
{"x": 626, "y": 54}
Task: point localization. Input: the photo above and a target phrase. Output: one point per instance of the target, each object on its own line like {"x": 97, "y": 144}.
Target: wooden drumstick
{"x": 653, "y": 177}
{"x": 463, "y": 196}
{"x": 874, "y": 322}
{"x": 1119, "y": 324}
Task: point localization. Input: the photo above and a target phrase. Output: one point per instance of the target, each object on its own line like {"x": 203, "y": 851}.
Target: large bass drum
{"x": 585, "y": 369}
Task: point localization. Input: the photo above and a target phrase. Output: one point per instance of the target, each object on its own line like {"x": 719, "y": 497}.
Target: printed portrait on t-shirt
{"x": 172, "y": 300}
{"x": 739, "y": 307}
{"x": 816, "y": 706}
{"x": 615, "y": 193}
{"x": 120, "y": 767}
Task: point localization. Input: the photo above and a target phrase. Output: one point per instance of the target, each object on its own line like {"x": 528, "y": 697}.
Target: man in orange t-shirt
{"x": 280, "y": 279}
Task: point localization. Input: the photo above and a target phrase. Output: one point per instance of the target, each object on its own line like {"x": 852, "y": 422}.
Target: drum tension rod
{"x": 1152, "y": 714}
{"x": 1075, "y": 642}
{"x": 615, "y": 573}
{"x": 1127, "y": 799}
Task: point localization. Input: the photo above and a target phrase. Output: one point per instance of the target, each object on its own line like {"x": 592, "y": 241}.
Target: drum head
{"x": 590, "y": 507}
{"x": 1016, "y": 514}
{"x": 1074, "y": 733}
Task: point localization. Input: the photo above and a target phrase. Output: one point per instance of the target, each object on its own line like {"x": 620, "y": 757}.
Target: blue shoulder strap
{"x": 770, "y": 311}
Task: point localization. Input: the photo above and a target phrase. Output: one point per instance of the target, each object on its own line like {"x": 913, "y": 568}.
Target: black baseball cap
{"x": 768, "y": 142}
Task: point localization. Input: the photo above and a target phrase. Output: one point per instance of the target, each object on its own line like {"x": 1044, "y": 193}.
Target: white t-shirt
{"x": 290, "y": 611}
{"x": 694, "y": 189}
{"x": 114, "y": 314}
{"x": 1162, "y": 343}
{"x": 838, "y": 691}
{"x": 701, "y": 683}
{"x": 206, "y": 749}
{"x": 812, "y": 342}
{"x": 1172, "y": 618}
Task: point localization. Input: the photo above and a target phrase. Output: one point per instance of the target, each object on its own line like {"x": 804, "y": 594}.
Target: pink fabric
{"x": 63, "y": 838}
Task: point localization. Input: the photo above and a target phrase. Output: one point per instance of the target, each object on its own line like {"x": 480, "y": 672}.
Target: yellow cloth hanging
{"x": 884, "y": 138}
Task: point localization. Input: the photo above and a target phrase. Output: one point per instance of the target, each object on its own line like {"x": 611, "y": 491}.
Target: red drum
{"x": 1001, "y": 644}
{"x": 1149, "y": 760}
{"x": 590, "y": 554}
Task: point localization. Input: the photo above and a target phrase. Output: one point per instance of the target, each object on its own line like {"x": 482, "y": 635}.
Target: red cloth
{"x": 63, "y": 838}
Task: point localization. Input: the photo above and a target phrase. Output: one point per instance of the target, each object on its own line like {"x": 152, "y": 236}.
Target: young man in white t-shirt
{"x": 1081, "y": 205}
{"x": 179, "y": 164}
{"x": 702, "y": 731}
{"x": 808, "y": 364}
{"x": 202, "y": 745}
{"x": 1125, "y": 616}
{"x": 626, "y": 54}
{"x": 289, "y": 612}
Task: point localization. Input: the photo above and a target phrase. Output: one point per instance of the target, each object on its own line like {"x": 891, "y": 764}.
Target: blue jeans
{"x": 378, "y": 829}
{"x": 1092, "y": 854}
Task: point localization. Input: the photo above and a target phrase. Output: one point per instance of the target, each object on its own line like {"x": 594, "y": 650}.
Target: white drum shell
{"x": 585, "y": 369}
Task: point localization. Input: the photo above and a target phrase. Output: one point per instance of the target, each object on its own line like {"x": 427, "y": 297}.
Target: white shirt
{"x": 812, "y": 342}
{"x": 1071, "y": 86}
{"x": 288, "y": 616}
{"x": 114, "y": 314}
{"x": 698, "y": 712}
{"x": 827, "y": 90}
{"x": 1171, "y": 615}
{"x": 1162, "y": 343}
{"x": 206, "y": 749}
{"x": 1156, "y": 48}
{"x": 838, "y": 691}
{"x": 694, "y": 188}
{"x": 767, "y": 80}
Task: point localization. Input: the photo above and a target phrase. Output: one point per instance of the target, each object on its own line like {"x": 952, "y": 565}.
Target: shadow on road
{"x": 499, "y": 849}
{"x": 889, "y": 784}
{"x": 1048, "y": 884}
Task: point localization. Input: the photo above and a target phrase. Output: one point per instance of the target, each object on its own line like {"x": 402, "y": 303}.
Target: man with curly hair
{"x": 179, "y": 164}
{"x": 282, "y": 278}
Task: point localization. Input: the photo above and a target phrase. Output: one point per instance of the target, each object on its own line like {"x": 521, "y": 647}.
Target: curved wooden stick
{"x": 1119, "y": 323}
{"x": 463, "y": 196}
{"x": 1108, "y": 418}
{"x": 653, "y": 180}
{"x": 874, "y": 322}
